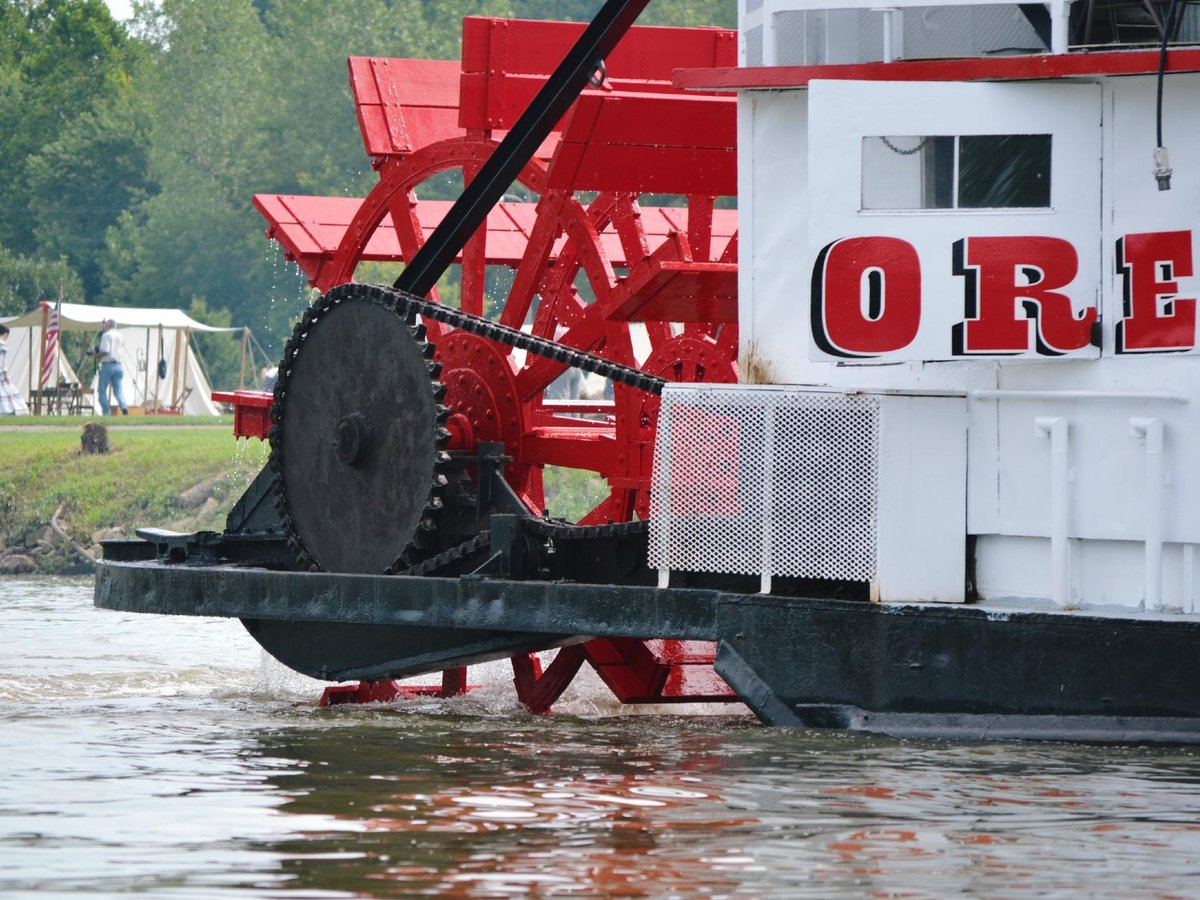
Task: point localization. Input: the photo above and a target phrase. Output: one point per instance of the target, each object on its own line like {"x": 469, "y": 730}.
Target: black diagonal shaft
{"x": 518, "y": 146}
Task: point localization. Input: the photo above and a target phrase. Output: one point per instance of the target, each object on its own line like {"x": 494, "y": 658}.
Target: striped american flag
{"x": 50, "y": 357}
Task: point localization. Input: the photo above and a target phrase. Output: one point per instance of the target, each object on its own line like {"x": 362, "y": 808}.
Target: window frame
{"x": 955, "y": 208}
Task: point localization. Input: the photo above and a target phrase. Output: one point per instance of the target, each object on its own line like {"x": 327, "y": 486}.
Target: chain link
{"x": 512, "y": 337}
{"x": 917, "y": 149}
{"x": 467, "y": 548}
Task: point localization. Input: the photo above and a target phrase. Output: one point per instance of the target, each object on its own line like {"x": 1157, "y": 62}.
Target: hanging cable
{"x": 1162, "y": 162}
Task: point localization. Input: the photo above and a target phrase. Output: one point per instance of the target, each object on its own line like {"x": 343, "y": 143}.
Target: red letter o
{"x": 866, "y": 296}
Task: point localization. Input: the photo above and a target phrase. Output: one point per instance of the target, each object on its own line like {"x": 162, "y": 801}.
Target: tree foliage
{"x": 66, "y": 69}
{"x": 81, "y": 182}
{"x": 26, "y": 280}
{"x": 131, "y": 155}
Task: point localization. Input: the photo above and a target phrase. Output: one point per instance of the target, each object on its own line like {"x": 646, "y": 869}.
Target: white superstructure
{"x": 985, "y": 236}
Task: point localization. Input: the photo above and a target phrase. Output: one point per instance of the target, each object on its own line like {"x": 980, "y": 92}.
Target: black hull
{"x": 929, "y": 671}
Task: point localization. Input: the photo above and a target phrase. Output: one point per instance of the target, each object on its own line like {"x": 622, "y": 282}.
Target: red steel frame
{"x": 653, "y": 286}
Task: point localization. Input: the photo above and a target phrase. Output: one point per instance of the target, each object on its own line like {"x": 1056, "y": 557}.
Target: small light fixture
{"x": 1162, "y": 168}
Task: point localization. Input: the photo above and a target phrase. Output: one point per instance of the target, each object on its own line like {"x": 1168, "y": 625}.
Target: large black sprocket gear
{"x": 357, "y": 434}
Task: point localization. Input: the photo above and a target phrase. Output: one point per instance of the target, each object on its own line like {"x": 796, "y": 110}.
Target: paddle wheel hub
{"x": 485, "y": 405}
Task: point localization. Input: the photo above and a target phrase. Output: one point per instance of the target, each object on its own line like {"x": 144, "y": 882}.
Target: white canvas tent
{"x": 150, "y": 335}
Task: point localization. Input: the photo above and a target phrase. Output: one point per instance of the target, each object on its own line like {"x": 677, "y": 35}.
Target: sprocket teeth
{"x": 421, "y": 543}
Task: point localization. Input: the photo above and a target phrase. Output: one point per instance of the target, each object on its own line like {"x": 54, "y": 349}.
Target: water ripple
{"x": 141, "y": 754}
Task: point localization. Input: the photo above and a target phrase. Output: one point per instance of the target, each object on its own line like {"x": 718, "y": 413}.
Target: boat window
{"x": 989, "y": 171}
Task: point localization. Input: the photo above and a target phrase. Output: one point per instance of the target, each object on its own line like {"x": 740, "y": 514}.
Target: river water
{"x": 166, "y": 757}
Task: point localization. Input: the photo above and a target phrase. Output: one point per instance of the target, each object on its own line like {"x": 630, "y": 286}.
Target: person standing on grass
{"x": 11, "y": 401}
{"x": 110, "y": 349}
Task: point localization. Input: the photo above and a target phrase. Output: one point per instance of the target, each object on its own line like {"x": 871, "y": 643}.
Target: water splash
{"x": 490, "y": 695}
{"x": 277, "y": 681}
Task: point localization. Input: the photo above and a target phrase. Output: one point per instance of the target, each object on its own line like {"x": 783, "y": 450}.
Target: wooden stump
{"x": 94, "y": 439}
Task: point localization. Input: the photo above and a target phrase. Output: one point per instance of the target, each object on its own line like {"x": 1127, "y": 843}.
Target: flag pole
{"x": 37, "y": 397}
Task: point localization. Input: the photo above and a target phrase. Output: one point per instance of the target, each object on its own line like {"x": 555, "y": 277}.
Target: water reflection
{"x": 463, "y": 806}
{"x": 660, "y": 808}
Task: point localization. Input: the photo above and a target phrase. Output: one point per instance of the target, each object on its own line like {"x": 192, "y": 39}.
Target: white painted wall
{"x": 794, "y": 200}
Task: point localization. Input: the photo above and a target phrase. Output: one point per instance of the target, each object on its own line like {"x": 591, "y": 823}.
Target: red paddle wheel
{"x": 614, "y": 242}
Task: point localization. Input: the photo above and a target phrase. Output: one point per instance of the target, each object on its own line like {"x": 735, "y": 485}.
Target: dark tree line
{"x": 129, "y": 153}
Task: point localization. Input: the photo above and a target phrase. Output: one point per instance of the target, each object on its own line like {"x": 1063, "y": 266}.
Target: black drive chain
{"x": 512, "y": 337}
{"x": 458, "y": 552}
{"x": 548, "y": 528}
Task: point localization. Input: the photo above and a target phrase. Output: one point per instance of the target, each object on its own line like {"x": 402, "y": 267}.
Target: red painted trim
{"x": 989, "y": 68}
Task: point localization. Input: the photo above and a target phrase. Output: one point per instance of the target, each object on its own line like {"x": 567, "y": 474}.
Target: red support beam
{"x": 987, "y": 68}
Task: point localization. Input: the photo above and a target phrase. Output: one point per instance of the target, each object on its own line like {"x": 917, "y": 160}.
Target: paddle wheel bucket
{"x": 251, "y": 412}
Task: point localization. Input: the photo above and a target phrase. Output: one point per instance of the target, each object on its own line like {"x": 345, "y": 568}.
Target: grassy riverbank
{"x": 167, "y": 472}
{"x": 181, "y": 473}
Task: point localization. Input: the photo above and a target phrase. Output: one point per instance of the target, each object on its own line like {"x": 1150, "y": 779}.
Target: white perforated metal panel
{"x": 766, "y": 481}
